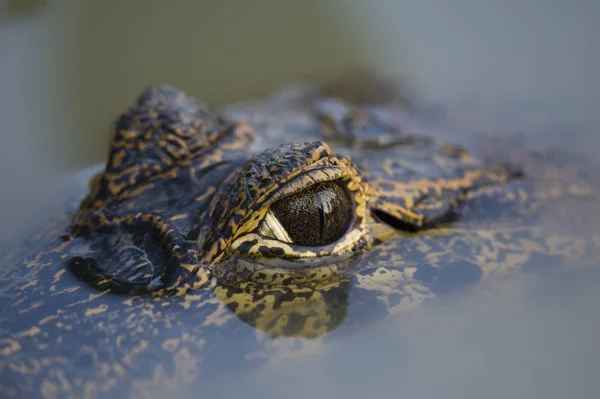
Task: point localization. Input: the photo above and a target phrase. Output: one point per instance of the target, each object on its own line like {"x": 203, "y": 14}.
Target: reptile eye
{"x": 318, "y": 215}
{"x": 293, "y": 215}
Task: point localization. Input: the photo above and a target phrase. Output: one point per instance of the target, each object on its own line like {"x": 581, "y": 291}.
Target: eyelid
{"x": 322, "y": 171}
{"x": 272, "y": 251}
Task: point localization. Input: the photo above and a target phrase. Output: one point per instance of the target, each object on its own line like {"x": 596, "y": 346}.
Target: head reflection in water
{"x": 297, "y": 218}
{"x": 289, "y": 311}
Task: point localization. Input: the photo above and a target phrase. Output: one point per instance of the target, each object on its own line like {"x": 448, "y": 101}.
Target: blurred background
{"x": 68, "y": 67}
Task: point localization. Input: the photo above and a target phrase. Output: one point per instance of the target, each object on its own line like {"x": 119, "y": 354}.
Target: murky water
{"x": 529, "y": 334}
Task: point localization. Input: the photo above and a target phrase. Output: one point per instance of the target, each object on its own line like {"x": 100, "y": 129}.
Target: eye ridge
{"x": 317, "y": 215}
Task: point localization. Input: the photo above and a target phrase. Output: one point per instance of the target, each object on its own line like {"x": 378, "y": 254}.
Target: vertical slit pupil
{"x": 319, "y": 205}
{"x": 317, "y": 215}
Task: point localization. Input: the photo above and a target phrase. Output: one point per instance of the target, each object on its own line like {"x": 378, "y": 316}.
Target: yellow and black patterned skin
{"x": 164, "y": 274}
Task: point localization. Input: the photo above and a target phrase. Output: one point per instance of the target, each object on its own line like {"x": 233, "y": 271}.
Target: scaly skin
{"x": 161, "y": 277}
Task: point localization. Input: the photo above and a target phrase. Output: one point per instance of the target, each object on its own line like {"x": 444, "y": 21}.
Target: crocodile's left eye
{"x": 297, "y": 210}
{"x": 318, "y": 225}
{"x": 318, "y": 215}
